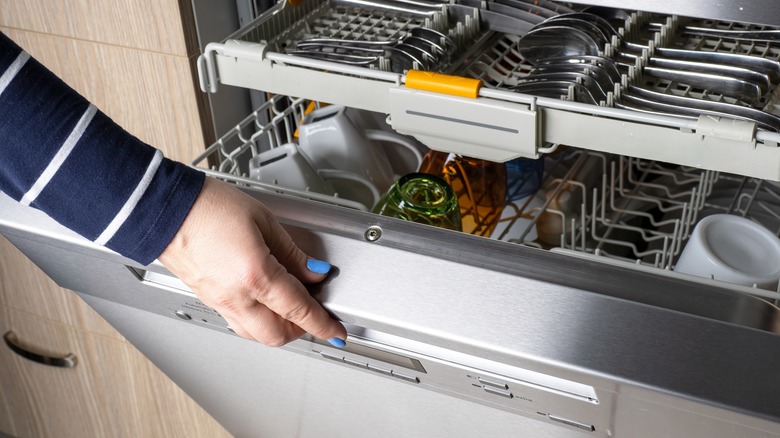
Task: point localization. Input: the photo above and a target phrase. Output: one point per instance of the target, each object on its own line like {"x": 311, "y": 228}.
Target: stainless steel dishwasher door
{"x": 497, "y": 339}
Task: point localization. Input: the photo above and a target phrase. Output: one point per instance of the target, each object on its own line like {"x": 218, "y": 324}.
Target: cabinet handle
{"x": 68, "y": 361}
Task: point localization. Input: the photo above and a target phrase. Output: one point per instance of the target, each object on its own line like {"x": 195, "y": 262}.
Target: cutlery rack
{"x": 672, "y": 35}
{"x": 495, "y": 123}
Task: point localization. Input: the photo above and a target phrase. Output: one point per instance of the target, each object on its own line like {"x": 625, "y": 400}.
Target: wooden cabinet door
{"x": 111, "y": 391}
{"x": 44, "y": 400}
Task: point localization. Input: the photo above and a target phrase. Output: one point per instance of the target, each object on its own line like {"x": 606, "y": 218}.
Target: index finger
{"x": 289, "y": 299}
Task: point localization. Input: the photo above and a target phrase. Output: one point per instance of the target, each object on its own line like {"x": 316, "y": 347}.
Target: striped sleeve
{"x": 61, "y": 155}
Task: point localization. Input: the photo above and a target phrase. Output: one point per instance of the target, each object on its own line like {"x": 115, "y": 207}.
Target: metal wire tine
{"x": 433, "y": 35}
{"x": 769, "y": 36}
{"x": 401, "y": 61}
{"x": 672, "y": 104}
{"x": 337, "y": 57}
{"x": 339, "y": 48}
{"x": 552, "y": 89}
{"x": 410, "y": 59}
{"x": 436, "y": 50}
{"x": 608, "y": 65}
{"x": 347, "y": 42}
{"x": 390, "y": 5}
{"x": 428, "y": 59}
{"x": 757, "y": 35}
{"x": 601, "y": 78}
{"x": 423, "y": 3}
{"x": 595, "y": 89}
{"x": 532, "y": 7}
{"x": 550, "y": 5}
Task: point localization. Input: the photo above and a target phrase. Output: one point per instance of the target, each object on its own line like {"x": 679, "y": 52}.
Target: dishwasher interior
{"x": 706, "y": 78}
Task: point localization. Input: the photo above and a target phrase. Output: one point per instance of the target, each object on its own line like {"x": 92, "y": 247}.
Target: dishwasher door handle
{"x": 156, "y": 279}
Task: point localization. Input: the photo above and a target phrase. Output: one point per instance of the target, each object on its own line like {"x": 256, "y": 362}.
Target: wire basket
{"x": 273, "y": 124}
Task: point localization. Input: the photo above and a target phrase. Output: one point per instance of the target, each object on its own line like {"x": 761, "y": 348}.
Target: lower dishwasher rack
{"x": 490, "y": 120}
{"x": 629, "y": 212}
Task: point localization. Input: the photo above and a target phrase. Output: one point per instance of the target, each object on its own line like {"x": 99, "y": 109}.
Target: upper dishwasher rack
{"x": 485, "y": 118}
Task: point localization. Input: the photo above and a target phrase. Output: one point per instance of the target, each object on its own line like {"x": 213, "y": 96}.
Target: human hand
{"x": 234, "y": 255}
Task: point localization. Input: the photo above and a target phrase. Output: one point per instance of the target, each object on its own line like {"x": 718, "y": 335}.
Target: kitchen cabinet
{"x": 134, "y": 61}
{"x": 112, "y": 391}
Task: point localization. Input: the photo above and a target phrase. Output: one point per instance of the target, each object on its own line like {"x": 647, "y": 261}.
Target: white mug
{"x": 288, "y": 167}
{"x": 732, "y": 249}
{"x": 349, "y": 185}
{"x": 332, "y": 141}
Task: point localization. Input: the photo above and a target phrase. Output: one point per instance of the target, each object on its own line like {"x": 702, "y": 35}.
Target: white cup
{"x": 732, "y": 249}
{"x": 349, "y": 185}
{"x": 288, "y": 167}
{"x": 332, "y": 141}
{"x": 404, "y": 154}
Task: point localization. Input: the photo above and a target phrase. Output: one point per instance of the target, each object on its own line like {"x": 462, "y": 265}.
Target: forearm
{"x": 61, "y": 155}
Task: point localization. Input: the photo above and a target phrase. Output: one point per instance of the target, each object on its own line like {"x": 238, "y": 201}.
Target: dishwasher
{"x": 571, "y": 317}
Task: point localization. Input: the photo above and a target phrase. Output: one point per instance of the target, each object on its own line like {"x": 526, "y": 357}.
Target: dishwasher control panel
{"x": 534, "y": 394}
{"x": 510, "y": 387}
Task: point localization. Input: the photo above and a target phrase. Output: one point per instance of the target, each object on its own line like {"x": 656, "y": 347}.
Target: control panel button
{"x": 183, "y": 315}
{"x": 329, "y": 356}
{"x": 380, "y": 370}
{"x": 355, "y": 363}
{"x": 411, "y": 379}
{"x": 492, "y": 383}
{"x": 498, "y": 391}
{"x": 577, "y": 424}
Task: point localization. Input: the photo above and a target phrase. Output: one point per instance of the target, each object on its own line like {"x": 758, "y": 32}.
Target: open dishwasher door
{"x": 454, "y": 335}
{"x": 450, "y": 335}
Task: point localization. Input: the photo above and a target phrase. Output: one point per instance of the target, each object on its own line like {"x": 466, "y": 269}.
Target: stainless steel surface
{"x": 67, "y": 361}
{"x": 292, "y": 395}
{"x": 604, "y": 327}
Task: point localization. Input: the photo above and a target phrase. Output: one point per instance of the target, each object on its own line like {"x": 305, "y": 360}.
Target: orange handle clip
{"x": 441, "y": 83}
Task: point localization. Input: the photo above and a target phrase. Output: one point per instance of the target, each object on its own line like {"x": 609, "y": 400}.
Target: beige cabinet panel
{"x": 152, "y": 95}
{"x": 112, "y": 391}
{"x": 152, "y": 25}
{"x": 11, "y": 392}
{"x": 24, "y": 287}
{"x": 48, "y": 401}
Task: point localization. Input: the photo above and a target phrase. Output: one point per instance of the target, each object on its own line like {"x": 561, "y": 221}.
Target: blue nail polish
{"x": 318, "y": 266}
{"x": 336, "y": 342}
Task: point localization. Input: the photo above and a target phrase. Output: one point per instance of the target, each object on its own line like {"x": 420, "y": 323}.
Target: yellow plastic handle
{"x": 441, "y": 83}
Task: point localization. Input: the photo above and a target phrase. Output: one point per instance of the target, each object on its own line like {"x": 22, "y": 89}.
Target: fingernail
{"x": 336, "y": 342}
{"x": 318, "y": 266}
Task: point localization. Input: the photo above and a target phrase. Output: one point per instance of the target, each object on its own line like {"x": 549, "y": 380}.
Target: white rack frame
{"x": 498, "y": 125}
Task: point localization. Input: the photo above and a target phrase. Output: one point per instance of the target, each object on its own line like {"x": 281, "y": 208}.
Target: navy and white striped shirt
{"x": 61, "y": 155}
